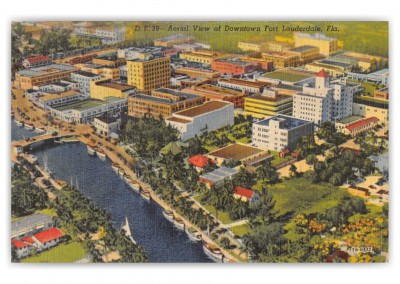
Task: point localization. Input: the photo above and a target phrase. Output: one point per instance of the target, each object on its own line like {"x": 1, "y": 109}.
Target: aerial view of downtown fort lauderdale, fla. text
{"x": 199, "y": 141}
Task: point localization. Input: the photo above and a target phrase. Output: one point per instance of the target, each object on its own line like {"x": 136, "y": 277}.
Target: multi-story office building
{"x": 326, "y": 45}
{"x": 171, "y": 40}
{"x": 263, "y": 64}
{"x": 202, "y": 56}
{"x": 162, "y": 102}
{"x": 36, "y": 61}
{"x": 324, "y": 101}
{"x": 250, "y": 46}
{"x": 306, "y": 53}
{"x": 233, "y": 66}
{"x": 282, "y": 59}
{"x": 147, "y": 75}
{"x": 269, "y": 103}
{"x": 250, "y": 87}
{"x": 198, "y": 73}
{"x": 208, "y": 117}
{"x": 372, "y": 108}
{"x": 211, "y": 92}
{"x": 107, "y": 34}
{"x": 27, "y": 78}
{"x": 83, "y": 79}
{"x": 280, "y": 132}
{"x": 102, "y": 89}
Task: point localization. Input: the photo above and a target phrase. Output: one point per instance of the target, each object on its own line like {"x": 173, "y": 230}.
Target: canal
{"x": 97, "y": 181}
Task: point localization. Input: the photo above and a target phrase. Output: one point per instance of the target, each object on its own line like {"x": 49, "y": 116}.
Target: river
{"x": 97, "y": 181}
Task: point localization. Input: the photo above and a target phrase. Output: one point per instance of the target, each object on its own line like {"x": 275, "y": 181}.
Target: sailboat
{"x": 46, "y": 169}
{"x": 127, "y": 230}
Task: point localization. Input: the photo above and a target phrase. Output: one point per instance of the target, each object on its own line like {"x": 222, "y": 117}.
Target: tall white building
{"x": 208, "y": 117}
{"x": 280, "y": 132}
{"x": 324, "y": 101}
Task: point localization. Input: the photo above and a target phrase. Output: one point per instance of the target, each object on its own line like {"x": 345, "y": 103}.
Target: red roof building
{"x": 360, "y": 126}
{"x": 36, "y": 61}
{"x": 49, "y": 235}
{"x": 322, "y": 73}
{"x": 244, "y": 192}
{"x": 28, "y": 240}
{"x": 199, "y": 161}
{"x": 18, "y": 244}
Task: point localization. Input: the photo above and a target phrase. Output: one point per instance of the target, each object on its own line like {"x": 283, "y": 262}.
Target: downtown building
{"x": 280, "y": 132}
{"x": 323, "y": 100}
{"x": 148, "y": 75}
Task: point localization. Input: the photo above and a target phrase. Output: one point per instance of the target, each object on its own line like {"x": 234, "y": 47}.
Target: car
{"x": 372, "y": 187}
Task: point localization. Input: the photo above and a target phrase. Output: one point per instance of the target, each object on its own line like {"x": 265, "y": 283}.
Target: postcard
{"x": 199, "y": 141}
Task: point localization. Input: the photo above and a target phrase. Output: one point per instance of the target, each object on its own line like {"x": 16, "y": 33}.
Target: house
{"x": 217, "y": 176}
{"x": 105, "y": 124}
{"x": 48, "y": 238}
{"x": 200, "y": 161}
{"x": 36, "y": 61}
{"x": 30, "y": 224}
{"x": 245, "y": 194}
{"x": 22, "y": 249}
{"x": 360, "y": 126}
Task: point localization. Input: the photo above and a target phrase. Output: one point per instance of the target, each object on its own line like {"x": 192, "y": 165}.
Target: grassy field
{"x": 286, "y": 76}
{"x": 240, "y": 230}
{"x": 302, "y": 196}
{"x": 222, "y": 215}
{"x": 368, "y": 37}
{"x": 64, "y": 253}
{"x": 278, "y": 160}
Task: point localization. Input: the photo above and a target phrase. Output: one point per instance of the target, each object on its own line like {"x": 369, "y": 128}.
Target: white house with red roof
{"x": 22, "y": 249}
{"x": 245, "y": 194}
{"x": 36, "y": 61}
{"x": 48, "y": 238}
{"x": 200, "y": 161}
{"x": 360, "y": 126}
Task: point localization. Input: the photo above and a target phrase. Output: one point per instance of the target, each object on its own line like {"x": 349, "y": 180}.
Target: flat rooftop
{"x": 236, "y": 151}
{"x": 215, "y": 90}
{"x": 86, "y": 74}
{"x": 302, "y": 48}
{"x": 115, "y": 85}
{"x": 234, "y": 61}
{"x": 334, "y": 63}
{"x": 219, "y": 174}
{"x": 88, "y": 104}
{"x": 177, "y": 119}
{"x": 190, "y": 69}
{"x": 289, "y": 122}
{"x": 289, "y": 75}
{"x": 254, "y": 84}
{"x": 317, "y": 36}
{"x": 183, "y": 95}
{"x": 267, "y": 98}
{"x": 29, "y": 221}
{"x": 59, "y": 96}
{"x": 202, "y": 109}
{"x": 48, "y": 69}
{"x": 350, "y": 119}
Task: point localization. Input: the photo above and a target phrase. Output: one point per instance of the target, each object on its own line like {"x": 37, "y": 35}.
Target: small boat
{"x": 228, "y": 260}
{"x": 121, "y": 172}
{"x": 20, "y": 124}
{"x": 134, "y": 185}
{"x": 127, "y": 178}
{"x": 178, "y": 222}
{"x": 101, "y": 154}
{"x": 39, "y": 130}
{"x": 193, "y": 235}
{"x": 91, "y": 148}
{"x": 29, "y": 127}
{"x": 115, "y": 167}
{"x": 213, "y": 252}
{"x": 127, "y": 230}
{"x": 33, "y": 158}
{"x": 169, "y": 215}
{"x": 146, "y": 195}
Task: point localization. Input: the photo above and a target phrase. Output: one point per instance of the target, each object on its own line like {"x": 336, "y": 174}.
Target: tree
{"x": 293, "y": 171}
{"x": 311, "y": 159}
{"x": 267, "y": 172}
{"x": 263, "y": 208}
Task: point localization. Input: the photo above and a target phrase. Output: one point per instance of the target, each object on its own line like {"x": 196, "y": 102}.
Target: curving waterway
{"x": 97, "y": 181}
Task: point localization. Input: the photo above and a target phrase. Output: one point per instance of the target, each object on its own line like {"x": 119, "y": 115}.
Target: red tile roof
{"x": 199, "y": 161}
{"x": 248, "y": 193}
{"x": 322, "y": 73}
{"x": 361, "y": 123}
{"x": 28, "y": 240}
{"x": 18, "y": 244}
{"x": 49, "y": 235}
{"x": 285, "y": 151}
{"x": 38, "y": 58}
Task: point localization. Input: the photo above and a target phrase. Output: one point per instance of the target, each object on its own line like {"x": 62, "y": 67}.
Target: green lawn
{"x": 240, "y": 230}
{"x": 278, "y": 160}
{"x": 368, "y": 86}
{"x": 65, "y": 253}
{"x": 222, "y": 215}
{"x": 286, "y": 76}
{"x": 302, "y": 196}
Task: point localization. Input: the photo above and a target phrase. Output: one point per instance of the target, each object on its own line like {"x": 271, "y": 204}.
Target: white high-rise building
{"x": 324, "y": 101}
